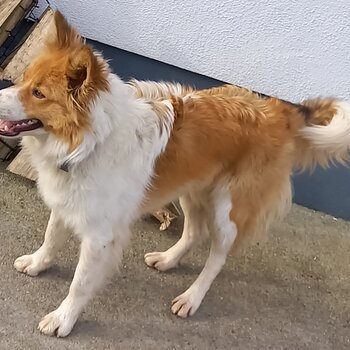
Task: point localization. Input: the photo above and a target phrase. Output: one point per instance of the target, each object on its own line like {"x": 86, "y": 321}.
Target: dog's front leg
{"x": 98, "y": 256}
{"x": 56, "y": 236}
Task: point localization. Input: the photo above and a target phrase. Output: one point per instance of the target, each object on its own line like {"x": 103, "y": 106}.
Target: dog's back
{"x": 252, "y": 144}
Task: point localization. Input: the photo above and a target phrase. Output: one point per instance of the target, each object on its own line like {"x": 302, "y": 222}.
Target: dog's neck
{"x": 114, "y": 111}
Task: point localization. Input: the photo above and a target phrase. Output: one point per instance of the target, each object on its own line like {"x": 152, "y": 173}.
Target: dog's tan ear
{"x": 86, "y": 75}
{"x": 80, "y": 67}
{"x": 63, "y": 35}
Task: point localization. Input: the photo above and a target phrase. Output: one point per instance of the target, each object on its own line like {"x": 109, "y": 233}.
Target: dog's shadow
{"x": 58, "y": 272}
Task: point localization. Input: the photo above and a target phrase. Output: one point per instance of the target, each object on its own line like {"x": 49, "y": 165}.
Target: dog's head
{"x": 57, "y": 90}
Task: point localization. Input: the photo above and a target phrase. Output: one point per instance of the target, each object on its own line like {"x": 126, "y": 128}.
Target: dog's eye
{"x": 37, "y": 93}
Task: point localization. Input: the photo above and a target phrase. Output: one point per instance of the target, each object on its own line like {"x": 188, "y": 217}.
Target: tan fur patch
{"x": 70, "y": 77}
{"x": 321, "y": 111}
{"x": 244, "y": 139}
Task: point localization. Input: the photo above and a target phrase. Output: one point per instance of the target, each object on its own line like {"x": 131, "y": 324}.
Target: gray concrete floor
{"x": 291, "y": 292}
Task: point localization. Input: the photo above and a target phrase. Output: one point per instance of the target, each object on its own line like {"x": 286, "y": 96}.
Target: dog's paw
{"x": 31, "y": 265}
{"x": 59, "y": 323}
{"x": 186, "y": 304}
{"x": 160, "y": 261}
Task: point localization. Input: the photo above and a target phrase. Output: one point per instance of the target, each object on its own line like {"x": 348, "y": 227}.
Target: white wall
{"x": 293, "y": 49}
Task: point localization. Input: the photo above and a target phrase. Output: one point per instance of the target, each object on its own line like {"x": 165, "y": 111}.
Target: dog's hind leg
{"x": 223, "y": 235}
{"x": 195, "y": 227}
{"x": 56, "y": 236}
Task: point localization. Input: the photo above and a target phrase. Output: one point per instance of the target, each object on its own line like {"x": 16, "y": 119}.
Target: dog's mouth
{"x": 14, "y": 128}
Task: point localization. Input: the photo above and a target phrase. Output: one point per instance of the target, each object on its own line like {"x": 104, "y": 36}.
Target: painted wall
{"x": 293, "y": 49}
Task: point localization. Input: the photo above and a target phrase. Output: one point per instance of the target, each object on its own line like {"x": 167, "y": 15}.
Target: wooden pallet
{"x": 30, "y": 48}
{"x": 11, "y": 12}
{"x": 14, "y": 71}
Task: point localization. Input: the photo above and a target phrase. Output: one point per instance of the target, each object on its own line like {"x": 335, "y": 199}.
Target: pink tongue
{"x": 7, "y": 123}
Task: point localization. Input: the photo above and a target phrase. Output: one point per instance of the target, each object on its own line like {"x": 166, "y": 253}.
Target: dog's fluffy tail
{"x": 325, "y": 136}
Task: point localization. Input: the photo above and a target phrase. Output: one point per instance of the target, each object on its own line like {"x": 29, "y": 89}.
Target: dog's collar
{"x": 65, "y": 166}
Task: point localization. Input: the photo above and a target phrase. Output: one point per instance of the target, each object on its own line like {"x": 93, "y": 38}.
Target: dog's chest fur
{"x": 96, "y": 190}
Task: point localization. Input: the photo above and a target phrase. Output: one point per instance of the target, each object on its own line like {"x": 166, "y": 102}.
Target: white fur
{"x": 10, "y": 106}
{"x": 195, "y": 228}
{"x": 56, "y": 236}
{"x": 100, "y": 195}
{"x": 215, "y": 214}
{"x": 12, "y": 109}
{"x": 224, "y": 232}
{"x": 158, "y": 90}
{"x": 330, "y": 142}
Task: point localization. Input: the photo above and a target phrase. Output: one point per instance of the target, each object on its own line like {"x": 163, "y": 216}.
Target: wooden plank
{"x": 4, "y": 150}
{"x": 11, "y": 15}
{"x": 20, "y": 166}
{"x": 31, "y": 47}
{"x": 14, "y": 71}
{"x": 6, "y": 8}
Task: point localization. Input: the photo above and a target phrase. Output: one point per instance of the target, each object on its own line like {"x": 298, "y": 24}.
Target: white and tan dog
{"x": 107, "y": 152}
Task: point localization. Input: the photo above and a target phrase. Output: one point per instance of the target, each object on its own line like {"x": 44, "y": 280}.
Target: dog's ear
{"x": 86, "y": 75}
{"x": 63, "y": 35}
{"x": 79, "y": 68}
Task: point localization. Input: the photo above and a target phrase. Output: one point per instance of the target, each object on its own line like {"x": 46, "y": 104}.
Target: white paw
{"x": 187, "y": 303}
{"x": 32, "y": 264}
{"x": 58, "y": 323}
{"x": 161, "y": 261}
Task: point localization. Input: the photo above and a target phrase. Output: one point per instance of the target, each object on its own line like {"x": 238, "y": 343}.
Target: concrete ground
{"x": 292, "y": 292}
